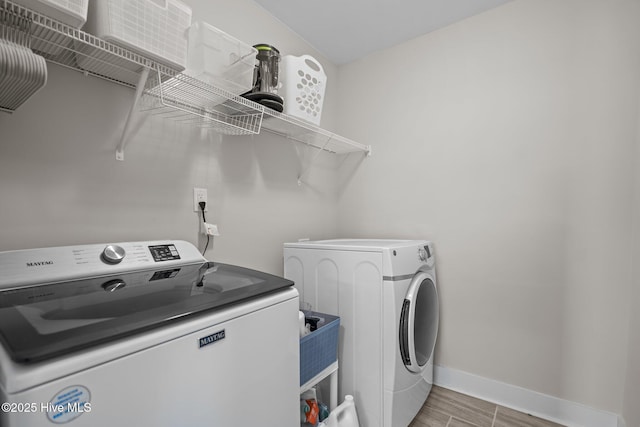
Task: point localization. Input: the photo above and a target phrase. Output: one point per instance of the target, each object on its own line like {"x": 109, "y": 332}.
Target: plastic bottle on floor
{"x": 344, "y": 415}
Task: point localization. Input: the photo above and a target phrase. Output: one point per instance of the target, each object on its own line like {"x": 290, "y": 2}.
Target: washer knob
{"x": 113, "y": 254}
{"x": 422, "y": 254}
{"x": 113, "y": 285}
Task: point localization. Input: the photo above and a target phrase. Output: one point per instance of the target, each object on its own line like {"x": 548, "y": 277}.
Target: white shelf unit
{"x": 331, "y": 372}
{"x": 160, "y": 89}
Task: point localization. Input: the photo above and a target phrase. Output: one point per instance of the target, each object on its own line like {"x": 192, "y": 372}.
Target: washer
{"x": 385, "y": 294}
{"x": 144, "y": 333}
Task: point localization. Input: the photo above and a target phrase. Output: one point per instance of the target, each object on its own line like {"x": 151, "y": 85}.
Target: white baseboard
{"x": 551, "y": 408}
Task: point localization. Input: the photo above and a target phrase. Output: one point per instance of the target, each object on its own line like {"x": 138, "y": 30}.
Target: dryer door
{"x": 419, "y": 322}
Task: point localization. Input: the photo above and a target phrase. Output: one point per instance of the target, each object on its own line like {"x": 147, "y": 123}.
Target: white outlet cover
{"x": 200, "y": 195}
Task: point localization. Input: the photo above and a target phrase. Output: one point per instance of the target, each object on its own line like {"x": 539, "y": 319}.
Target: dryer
{"x": 385, "y": 294}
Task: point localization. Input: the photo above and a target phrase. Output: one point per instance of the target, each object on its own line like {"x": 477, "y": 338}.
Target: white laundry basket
{"x": 70, "y": 12}
{"x": 303, "y": 84}
{"x": 154, "y": 28}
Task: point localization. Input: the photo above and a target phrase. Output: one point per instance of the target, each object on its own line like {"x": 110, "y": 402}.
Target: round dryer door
{"x": 419, "y": 322}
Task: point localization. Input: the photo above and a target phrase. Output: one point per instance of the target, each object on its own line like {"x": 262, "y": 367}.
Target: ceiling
{"x": 346, "y": 30}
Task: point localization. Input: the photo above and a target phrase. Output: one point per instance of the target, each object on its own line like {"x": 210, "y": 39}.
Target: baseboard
{"x": 551, "y": 408}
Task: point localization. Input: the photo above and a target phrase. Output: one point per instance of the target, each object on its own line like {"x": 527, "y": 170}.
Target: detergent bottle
{"x": 343, "y": 416}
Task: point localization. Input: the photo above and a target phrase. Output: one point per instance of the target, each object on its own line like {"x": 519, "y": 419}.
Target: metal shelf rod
{"x": 132, "y": 111}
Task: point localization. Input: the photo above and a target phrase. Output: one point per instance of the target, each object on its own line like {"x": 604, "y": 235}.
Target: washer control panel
{"x": 164, "y": 252}
{"x": 33, "y": 267}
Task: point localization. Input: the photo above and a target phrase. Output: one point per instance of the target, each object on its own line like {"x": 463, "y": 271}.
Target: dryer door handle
{"x": 418, "y": 330}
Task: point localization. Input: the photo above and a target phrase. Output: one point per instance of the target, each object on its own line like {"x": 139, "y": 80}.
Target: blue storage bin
{"x": 319, "y": 349}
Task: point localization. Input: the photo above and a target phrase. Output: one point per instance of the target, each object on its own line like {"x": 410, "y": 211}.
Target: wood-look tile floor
{"x": 446, "y": 408}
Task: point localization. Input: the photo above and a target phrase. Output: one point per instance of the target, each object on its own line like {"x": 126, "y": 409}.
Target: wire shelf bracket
{"x": 144, "y": 75}
{"x": 305, "y": 170}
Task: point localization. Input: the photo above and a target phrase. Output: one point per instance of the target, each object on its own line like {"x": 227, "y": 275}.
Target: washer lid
{"x": 42, "y": 322}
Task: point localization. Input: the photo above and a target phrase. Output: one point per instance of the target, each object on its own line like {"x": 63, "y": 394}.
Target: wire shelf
{"x": 67, "y": 46}
{"x": 167, "y": 92}
{"x": 188, "y": 100}
{"x": 297, "y": 129}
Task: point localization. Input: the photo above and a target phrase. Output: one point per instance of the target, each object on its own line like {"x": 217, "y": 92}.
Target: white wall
{"x": 508, "y": 139}
{"x": 60, "y": 183}
{"x": 631, "y": 409}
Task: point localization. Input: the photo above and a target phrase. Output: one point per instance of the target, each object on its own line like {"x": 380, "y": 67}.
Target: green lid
{"x": 266, "y": 47}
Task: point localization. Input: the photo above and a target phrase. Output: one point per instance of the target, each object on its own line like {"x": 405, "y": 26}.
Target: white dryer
{"x": 385, "y": 294}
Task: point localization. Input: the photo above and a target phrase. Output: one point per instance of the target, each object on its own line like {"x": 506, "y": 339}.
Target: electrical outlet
{"x": 200, "y": 195}
{"x": 211, "y": 229}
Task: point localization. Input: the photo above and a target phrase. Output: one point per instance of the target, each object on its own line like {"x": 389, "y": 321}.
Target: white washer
{"x": 144, "y": 333}
{"x": 385, "y": 294}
